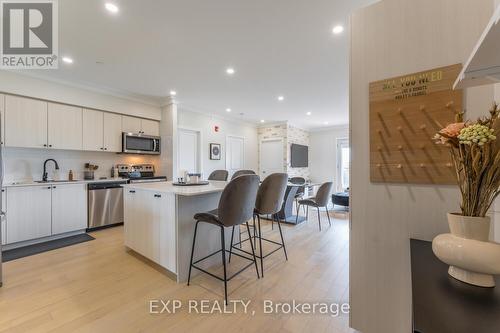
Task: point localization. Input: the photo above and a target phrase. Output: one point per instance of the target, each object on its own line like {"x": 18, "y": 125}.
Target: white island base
{"x": 159, "y": 224}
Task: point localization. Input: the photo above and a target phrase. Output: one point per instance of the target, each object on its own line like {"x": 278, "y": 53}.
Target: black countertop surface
{"x": 442, "y": 304}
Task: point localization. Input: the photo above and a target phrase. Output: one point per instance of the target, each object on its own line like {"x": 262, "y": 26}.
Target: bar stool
{"x": 219, "y": 175}
{"x": 320, "y": 200}
{"x": 236, "y": 207}
{"x": 242, "y": 172}
{"x": 300, "y": 192}
{"x": 269, "y": 200}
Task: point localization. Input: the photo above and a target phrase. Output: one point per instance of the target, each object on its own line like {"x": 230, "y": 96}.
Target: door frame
{"x": 199, "y": 132}
{"x": 227, "y": 145}
{"x": 340, "y": 142}
{"x": 280, "y": 139}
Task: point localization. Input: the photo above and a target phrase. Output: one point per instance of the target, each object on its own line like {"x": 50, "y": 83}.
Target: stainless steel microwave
{"x": 136, "y": 143}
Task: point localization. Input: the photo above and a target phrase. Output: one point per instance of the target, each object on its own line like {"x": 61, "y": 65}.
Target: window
{"x": 343, "y": 163}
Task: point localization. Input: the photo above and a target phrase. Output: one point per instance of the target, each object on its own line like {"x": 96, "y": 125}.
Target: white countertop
{"x": 61, "y": 182}
{"x": 167, "y": 187}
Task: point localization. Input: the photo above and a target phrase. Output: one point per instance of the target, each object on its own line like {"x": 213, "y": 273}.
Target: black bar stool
{"x": 320, "y": 200}
{"x": 236, "y": 207}
{"x": 269, "y": 202}
{"x": 219, "y": 175}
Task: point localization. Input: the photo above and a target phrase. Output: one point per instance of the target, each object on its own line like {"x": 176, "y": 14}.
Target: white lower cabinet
{"x": 150, "y": 226}
{"x": 3, "y": 221}
{"x": 29, "y": 213}
{"x": 40, "y": 211}
{"x": 69, "y": 208}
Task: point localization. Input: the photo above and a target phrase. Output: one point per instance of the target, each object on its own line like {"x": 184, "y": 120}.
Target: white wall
{"x": 323, "y": 153}
{"x": 390, "y": 38}
{"x": 205, "y": 123}
{"x": 37, "y": 88}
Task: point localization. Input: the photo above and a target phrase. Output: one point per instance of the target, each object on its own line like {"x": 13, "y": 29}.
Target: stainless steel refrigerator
{"x": 2, "y": 214}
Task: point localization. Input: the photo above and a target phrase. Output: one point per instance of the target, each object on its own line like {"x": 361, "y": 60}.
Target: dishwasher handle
{"x": 93, "y": 187}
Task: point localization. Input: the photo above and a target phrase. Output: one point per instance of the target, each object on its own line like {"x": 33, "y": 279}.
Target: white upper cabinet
{"x": 112, "y": 132}
{"x": 142, "y": 126}
{"x": 32, "y": 123}
{"x": 25, "y": 122}
{"x": 65, "y": 127}
{"x": 69, "y": 208}
{"x": 2, "y": 118}
{"x": 131, "y": 124}
{"x": 93, "y": 127}
{"x": 150, "y": 127}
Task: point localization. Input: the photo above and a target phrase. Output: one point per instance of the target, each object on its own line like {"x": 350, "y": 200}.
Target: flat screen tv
{"x": 299, "y": 156}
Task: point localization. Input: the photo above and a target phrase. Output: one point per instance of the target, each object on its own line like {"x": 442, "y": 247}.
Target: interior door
{"x": 235, "y": 154}
{"x": 188, "y": 151}
{"x": 271, "y": 157}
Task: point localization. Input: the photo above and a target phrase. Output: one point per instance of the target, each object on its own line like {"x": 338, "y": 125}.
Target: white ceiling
{"x": 277, "y": 47}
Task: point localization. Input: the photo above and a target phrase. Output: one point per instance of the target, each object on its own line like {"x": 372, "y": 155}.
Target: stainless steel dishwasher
{"x": 105, "y": 204}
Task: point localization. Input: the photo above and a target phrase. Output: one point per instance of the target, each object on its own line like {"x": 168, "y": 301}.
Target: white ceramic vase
{"x": 473, "y": 259}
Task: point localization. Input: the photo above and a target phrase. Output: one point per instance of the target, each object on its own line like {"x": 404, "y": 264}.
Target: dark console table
{"x": 442, "y": 304}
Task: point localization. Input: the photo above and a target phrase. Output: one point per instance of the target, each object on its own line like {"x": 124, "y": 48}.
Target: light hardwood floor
{"x": 100, "y": 287}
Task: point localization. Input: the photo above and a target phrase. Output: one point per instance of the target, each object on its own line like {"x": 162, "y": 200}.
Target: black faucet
{"x": 45, "y": 168}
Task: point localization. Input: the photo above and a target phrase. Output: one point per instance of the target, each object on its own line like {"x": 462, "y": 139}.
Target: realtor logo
{"x": 29, "y": 38}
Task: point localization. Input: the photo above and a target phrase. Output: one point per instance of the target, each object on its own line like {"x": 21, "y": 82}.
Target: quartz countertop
{"x": 62, "y": 182}
{"x": 168, "y": 187}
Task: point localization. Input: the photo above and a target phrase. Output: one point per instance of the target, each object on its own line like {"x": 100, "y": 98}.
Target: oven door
{"x": 140, "y": 144}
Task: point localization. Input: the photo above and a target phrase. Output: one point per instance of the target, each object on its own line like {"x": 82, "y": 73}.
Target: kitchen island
{"x": 159, "y": 223}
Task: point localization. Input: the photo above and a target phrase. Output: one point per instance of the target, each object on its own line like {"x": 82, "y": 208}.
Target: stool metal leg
{"x": 319, "y": 220}
{"x": 260, "y": 246}
{"x": 328, "y": 215}
{"x": 282, "y": 240}
{"x": 297, "y": 216}
{"x": 254, "y": 234}
{"x": 192, "y": 251}
{"x": 253, "y": 253}
{"x": 307, "y": 213}
{"x": 223, "y": 244}
{"x": 231, "y": 247}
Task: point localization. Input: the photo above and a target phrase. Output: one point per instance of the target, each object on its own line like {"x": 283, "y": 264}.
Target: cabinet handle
{"x": 54, "y": 186}
{"x": 49, "y": 187}
{"x": 157, "y": 195}
{"x": 105, "y": 148}
{"x": 50, "y": 146}
{"x": 131, "y": 191}
{"x": 45, "y": 145}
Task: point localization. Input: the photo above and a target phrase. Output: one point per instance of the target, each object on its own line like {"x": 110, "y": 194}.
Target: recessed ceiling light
{"x": 308, "y": 113}
{"x": 281, "y": 98}
{"x": 228, "y": 110}
{"x": 230, "y": 71}
{"x": 325, "y": 123}
{"x": 111, "y": 7}
{"x": 173, "y": 92}
{"x": 262, "y": 121}
{"x": 67, "y": 60}
{"x": 337, "y": 29}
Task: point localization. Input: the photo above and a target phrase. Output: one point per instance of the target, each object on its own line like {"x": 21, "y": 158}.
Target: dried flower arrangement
{"x": 476, "y": 156}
